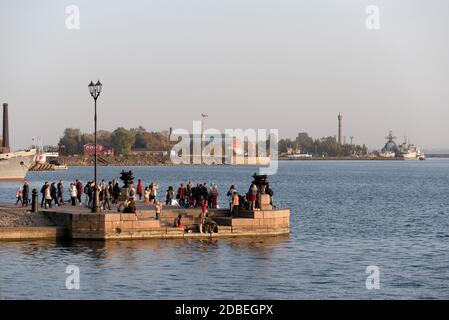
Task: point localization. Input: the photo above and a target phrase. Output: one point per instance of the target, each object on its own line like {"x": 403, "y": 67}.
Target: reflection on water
{"x": 143, "y": 269}
{"x": 345, "y": 216}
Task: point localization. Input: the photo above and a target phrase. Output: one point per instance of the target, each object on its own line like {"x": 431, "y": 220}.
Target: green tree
{"x": 104, "y": 137}
{"x": 122, "y": 140}
{"x": 304, "y": 143}
{"x": 86, "y": 138}
{"x": 71, "y": 141}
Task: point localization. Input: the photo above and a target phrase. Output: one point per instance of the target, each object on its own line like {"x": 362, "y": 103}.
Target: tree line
{"x": 121, "y": 139}
{"x": 125, "y": 140}
{"x": 327, "y": 146}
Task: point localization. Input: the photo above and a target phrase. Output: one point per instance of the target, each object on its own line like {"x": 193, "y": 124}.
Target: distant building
{"x": 89, "y": 150}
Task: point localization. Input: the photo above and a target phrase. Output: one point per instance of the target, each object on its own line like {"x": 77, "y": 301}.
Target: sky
{"x": 290, "y": 65}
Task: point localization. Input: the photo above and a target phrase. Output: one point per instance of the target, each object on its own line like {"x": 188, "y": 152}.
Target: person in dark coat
{"x": 54, "y": 193}
{"x": 25, "y": 193}
{"x": 60, "y": 188}
{"x": 44, "y": 187}
{"x": 116, "y": 193}
{"x": 79, "y": 190}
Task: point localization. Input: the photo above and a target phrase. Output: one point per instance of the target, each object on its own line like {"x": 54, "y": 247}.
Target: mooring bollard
{"x": 34, "y": 201}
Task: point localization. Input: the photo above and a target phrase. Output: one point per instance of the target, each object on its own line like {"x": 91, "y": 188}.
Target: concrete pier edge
{"x": 78, "y": 223}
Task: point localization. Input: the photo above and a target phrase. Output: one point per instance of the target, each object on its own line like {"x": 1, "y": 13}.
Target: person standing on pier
{"x": 203, "y": 215}
{"x": 252, "y": 193}
{"x": 61, "y": 192}
{"x": 25, "y": 193}
{"x": 214, "y": 196}
{"x": 19, "y": 196}
{"x": 44, "y": 187}
{"x": 139, "y": 189}
{"x": 153, "y": 192}
{"x": 230, "y": 195}
{"x": 79, "y": 189}
{"x": 88, "y": 194}
{"x": 47, "y": 196}
{"x": 116, "y": 192}
{"x": 73, "y": 193}
{"x": 158, "y": 209}
{"x": 235, "y": 204}
{"x": 132, "y": 191}
{"x": 54, "y": 194}
{"x": 146, "y": 195}
{"x": 169, "y": 195}
{"x": 270, "y": 192}
{"x": 181, "y": 196}
{"x": 107, "y": 196}
{"x": 195, "y": 193}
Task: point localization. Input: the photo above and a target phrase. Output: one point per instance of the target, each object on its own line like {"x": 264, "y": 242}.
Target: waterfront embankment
{"x": 125, "y": 160}
{"x": 337, "y": 158}
{"x": 159, "y": 160}
{"x": 77, "y": 222}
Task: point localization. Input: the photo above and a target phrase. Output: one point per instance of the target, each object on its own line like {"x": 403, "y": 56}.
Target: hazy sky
{"x": 291, "y": 65}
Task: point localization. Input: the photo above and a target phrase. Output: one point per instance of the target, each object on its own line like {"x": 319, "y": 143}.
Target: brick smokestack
{"x": 340, "y": 128}
{"x": 5, "y": 140}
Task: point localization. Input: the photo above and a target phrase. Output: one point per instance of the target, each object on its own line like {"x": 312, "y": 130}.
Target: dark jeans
{"x": 55, "y": 199}
{"x": 235, "y": 211}
{"x": 73, "y": 201}
{"x": 61, "y": 198}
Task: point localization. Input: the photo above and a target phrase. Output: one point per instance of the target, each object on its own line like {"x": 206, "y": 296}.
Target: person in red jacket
{"x": 181, "y": 196}
{"x": 139, "y": 189}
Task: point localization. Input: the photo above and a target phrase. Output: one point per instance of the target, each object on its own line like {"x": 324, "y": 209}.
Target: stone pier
{"x": 77, "y": 222}
{"x": 143, "y": 223}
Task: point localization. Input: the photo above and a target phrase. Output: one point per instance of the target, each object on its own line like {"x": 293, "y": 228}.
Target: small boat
{"x": 422, "y": 157}
{"x": 56, "y": 165}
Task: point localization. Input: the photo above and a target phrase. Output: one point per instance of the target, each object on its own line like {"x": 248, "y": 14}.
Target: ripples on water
{"x": 346, "y": 216}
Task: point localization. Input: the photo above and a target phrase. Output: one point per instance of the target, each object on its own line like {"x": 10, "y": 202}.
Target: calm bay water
{"x": 346, "y": 215}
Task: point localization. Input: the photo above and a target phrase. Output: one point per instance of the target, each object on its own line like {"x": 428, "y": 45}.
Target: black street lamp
{"x": 95, "y": 90}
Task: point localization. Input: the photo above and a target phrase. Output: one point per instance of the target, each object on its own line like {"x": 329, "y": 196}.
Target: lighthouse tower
{"x": 340, "y": 128}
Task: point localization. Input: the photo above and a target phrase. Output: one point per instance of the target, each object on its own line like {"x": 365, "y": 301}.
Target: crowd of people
{"x": 190, "y": 195}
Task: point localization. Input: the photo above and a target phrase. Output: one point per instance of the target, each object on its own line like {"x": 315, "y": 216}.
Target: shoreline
{"x": 131, "y": 162}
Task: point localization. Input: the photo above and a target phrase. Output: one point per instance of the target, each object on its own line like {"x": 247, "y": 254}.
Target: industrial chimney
{"x": 340, "y": 129}
{"x": 5, "y": 137}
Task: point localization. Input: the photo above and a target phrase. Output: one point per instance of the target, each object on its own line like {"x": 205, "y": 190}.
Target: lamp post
{"x": 95, "y": 90}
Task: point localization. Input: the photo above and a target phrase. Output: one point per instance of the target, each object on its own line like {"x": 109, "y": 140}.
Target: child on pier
{"x": 19, "y": 196}
{"x": 158, "y": 209}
